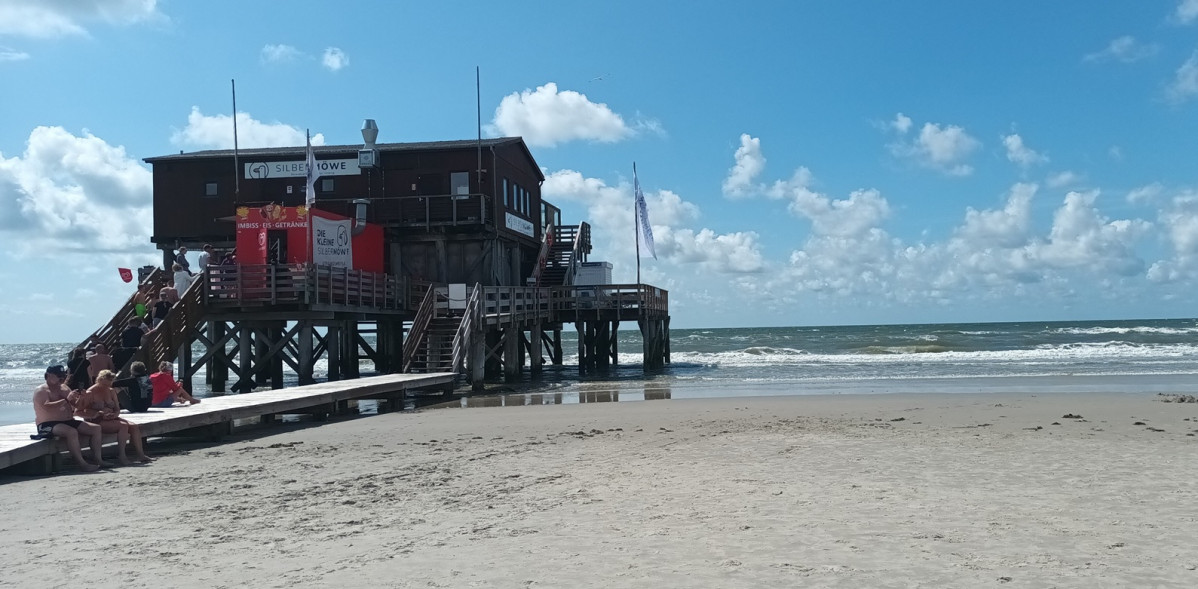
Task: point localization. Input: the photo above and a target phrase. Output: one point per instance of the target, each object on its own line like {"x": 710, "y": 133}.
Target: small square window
{"x": 210, "y": 189}
{"x": 326, "y": 184}
{"x": 459, "y": 183}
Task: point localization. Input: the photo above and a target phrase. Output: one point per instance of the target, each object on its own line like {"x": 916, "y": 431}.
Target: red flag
{"x": 126, "y": 274}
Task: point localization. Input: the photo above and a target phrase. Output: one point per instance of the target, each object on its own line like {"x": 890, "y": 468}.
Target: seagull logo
{"x": 259, "y": 171}
{"x": 342, "y": 235}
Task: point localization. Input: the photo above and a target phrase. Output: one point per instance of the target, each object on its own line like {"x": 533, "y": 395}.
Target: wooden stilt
{"x": 305, "y": 352}
{"x": 333, "y": 350}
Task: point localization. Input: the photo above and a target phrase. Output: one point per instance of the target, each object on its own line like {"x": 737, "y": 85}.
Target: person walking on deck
{"x": 182, "y": 278}
{"x": 53, "y": 411}
{"x": 181, "y": 260}
{"x": 207, "y": 257}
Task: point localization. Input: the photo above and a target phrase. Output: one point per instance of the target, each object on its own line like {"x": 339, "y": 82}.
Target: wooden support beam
{"x": 245, "y": 346}
{"x": 534, "y": 349}
{"x": 332, "y": 343}
{"x": 305, "y": 353}
{"x": 511, "y": 352}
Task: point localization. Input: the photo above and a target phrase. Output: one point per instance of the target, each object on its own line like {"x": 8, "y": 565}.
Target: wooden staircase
{"x": 435, "y": 352}
{"x": 570, "y": 245}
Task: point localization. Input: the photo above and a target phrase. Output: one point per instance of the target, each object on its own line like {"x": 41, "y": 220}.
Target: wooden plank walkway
{"x": 16, "y": 447}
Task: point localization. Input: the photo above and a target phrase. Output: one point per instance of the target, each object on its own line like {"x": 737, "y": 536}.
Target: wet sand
{"x": 964, "y": 490}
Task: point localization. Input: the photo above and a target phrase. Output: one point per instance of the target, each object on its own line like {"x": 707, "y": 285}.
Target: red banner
{"x": 126, "y": 274}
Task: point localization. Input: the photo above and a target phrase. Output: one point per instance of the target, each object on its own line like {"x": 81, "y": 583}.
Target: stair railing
{"x": 419, "y": 329}
{"x": 163, "y": 342}
{"x": 146, "y": 294}
{"x": 464, "y": 336}
{"x": 543, "y": 256}
{"x": 577, "y": 253}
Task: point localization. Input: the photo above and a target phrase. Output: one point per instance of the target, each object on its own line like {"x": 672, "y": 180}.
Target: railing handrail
{"x": 463, "y": 337}
{"x": 547, "y": 239}
{"x": 415, "y": 337}
{"x": 583, "y": 234}
{"x": 241, "y": 285}
{"x": 110, "y": 333}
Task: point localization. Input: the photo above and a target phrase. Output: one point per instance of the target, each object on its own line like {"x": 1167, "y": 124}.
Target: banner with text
{"x": 331, "y": 243}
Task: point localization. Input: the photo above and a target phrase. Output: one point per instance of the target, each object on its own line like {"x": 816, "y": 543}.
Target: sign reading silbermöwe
{"x": 298, "y": 169}
{"x": 331, "y": 243}
{"x": 517, "y": 224}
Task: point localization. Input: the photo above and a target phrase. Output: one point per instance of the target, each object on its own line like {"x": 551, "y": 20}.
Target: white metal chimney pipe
{"x": 370, "y": 132}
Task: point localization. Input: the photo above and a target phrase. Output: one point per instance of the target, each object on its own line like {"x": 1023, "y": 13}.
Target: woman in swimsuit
{"x": 99, "y": 405}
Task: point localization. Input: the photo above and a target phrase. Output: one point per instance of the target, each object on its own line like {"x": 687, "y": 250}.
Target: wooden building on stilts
{"x": 418, "y": 257}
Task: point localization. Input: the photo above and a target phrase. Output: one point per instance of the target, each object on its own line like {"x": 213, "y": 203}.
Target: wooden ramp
{"x": 219, "y": 412}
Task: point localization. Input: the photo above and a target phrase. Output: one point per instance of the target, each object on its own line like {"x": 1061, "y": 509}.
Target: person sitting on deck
{"x": 99, "y": 405}
{"x": 53, "y": 411}
{"x": 138, "y": 386}
{"x": 182, "y": 279}
{"x": 167, "y": 390}
{"x": 99, "y": 360}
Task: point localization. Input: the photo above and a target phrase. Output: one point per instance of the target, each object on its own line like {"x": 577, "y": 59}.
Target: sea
{"x": 1077, "y": 357}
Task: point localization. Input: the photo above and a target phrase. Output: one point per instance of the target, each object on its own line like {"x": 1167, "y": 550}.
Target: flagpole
{"x": 636, "y": 226}
{"x": 309, "y": 199}
{"x": 236, "y": 171}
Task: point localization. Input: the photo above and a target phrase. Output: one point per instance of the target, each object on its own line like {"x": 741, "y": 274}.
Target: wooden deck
{"x": 16, "y": 447}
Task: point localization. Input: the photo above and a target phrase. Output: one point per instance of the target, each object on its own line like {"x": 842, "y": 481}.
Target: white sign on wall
{"x": 517, "y": 224}
{"x": 299, "y": 169}
{"x": 331, "y": 242}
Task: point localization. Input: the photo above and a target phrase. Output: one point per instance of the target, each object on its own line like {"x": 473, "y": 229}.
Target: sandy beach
{"x": 964, "y": 490}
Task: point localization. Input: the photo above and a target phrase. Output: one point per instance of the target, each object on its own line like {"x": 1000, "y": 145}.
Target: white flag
{"x": 644, "y": 237}
{"x": 310, "y": 197}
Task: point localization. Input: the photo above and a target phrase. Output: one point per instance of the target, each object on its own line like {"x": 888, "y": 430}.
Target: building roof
{"x": 300, "y": 151}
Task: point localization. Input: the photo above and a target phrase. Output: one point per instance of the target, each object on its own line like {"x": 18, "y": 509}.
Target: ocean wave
{"x": 1124, "y": 330}
{"x": 1069, "y": 353}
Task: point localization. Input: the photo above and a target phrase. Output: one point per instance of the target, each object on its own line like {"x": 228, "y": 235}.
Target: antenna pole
{"x": 236, "y": 168}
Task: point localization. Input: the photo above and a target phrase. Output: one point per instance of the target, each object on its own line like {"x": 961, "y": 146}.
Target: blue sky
{"x": 804, "y": 162}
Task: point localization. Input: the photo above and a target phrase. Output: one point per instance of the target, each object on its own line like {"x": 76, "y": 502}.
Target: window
{"x": 326, "y": 184}
{"x": 459, "y": 183}
{"x": 210, "y": 189}
{"x": 507, "y": 203}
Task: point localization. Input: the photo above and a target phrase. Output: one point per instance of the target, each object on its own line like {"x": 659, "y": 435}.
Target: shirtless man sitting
{"x": 54, "y": 412}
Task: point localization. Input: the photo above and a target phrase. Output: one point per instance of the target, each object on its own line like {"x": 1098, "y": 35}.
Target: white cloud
{"x": 10, "y": 54}
{"x": 1187, "y": 11}
{"x": 1115, "y": 153}
{"x": 1082, "y": 238}
{"x": 1004, "y": 228}
{"x": 1146, "y": 194}
{"x": 939, "y": 148}
{"x": 280, "y": 53}
{"x": 1021, "y": 154}
{"x": 849, "y": 259}
{"x": 334, "y": 59}
{"x": 901, "y": 123}
{"x": 216, "y": 132}
{"x": 1179, "y": 221}
{"x": 749, "y": 164}
{"x": 48, "y": 19}
{"x": 77, "y": 194}
{"x": 1185, "y": 81}
{"x": 1062, "y": 179}
{"x": 610, "y": 212}
{"x": 1125, "y": 49}
{"x": 545, "y": 117}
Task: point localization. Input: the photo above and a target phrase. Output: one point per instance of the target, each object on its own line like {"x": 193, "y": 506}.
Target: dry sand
{"x": 962, "y": 490}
